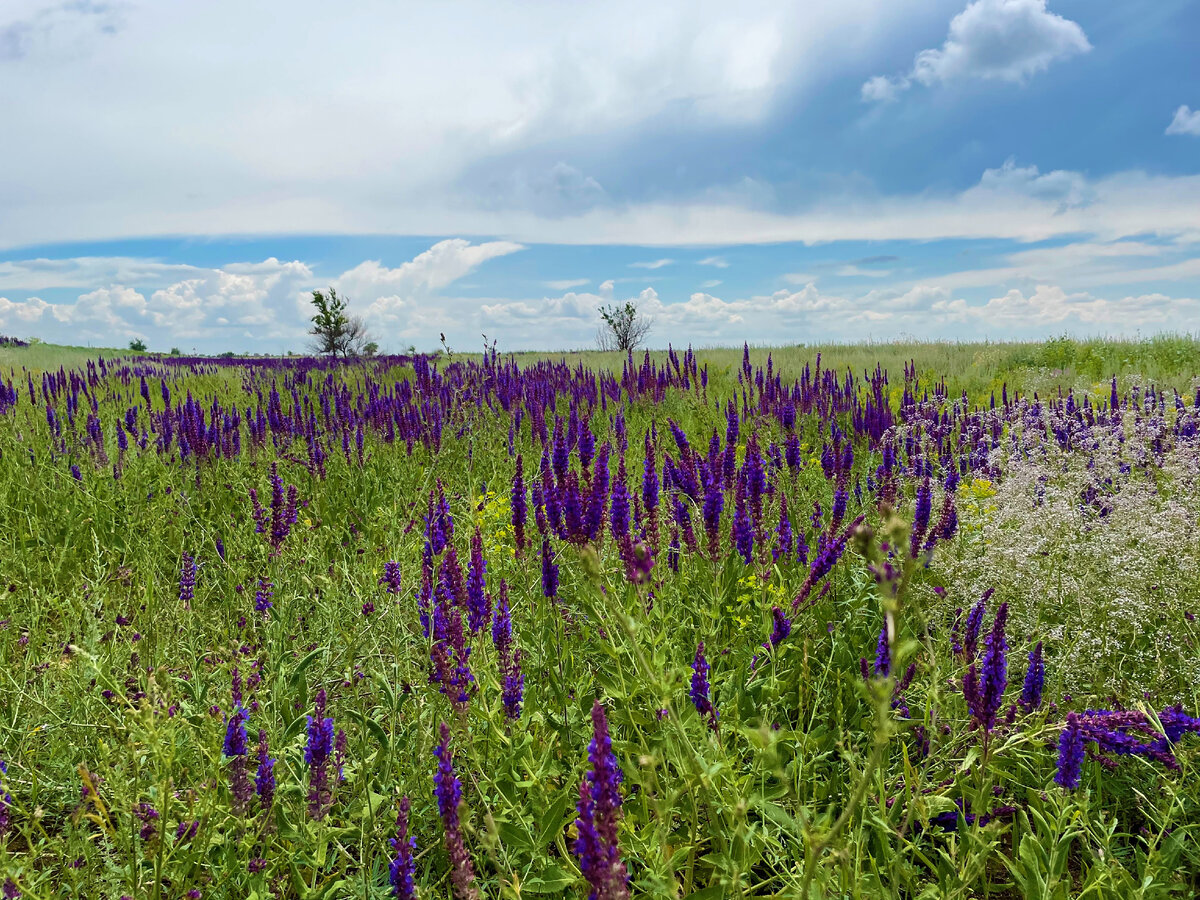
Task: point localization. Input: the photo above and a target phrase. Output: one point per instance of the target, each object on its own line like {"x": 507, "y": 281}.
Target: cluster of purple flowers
{"x": 701, "y": 689}
{"x": 1110, "y": 733}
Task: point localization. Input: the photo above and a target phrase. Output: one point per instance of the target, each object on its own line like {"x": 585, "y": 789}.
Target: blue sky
{"x": 757, "y": 171}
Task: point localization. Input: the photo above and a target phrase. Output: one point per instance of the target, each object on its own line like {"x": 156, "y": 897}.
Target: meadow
{"x": 891, "y": 620}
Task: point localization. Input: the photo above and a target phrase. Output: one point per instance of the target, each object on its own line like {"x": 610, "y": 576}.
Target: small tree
{"x": 333, "y": 331}
{"x": 623, "y": 328}
{"x": 137, "y": 345}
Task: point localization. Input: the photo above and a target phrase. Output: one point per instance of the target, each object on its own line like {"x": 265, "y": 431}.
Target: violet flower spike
{"x": 700, "y": 688}
{"x": 448, "y": 791}
{"x": 402, "y": 868}
{"x": 599, "y": 812}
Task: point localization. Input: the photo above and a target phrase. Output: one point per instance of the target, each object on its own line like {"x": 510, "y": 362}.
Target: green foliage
{"x": 137, "y": 345}
{"x": 814, "y": 783}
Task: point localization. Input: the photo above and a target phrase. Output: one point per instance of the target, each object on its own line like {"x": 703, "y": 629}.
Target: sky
{"x": 770, "y": 172}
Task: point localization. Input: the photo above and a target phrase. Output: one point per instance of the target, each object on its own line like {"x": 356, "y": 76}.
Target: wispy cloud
{"x": 1186, "y": 121}
{"x": 566, "y": 284}
{"x": 718, "y": 261}
{"x": 652, "y": 264}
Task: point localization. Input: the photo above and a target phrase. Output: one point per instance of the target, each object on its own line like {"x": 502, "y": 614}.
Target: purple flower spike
{"x": 1070, "y": 754}
{"x": 390, "y": 579}
{"x": 549, "y": 570}
{"x": 402, "y": 869}
{"x": 883, "y": 654}
{"x": 187, "y": 581}
{"x": 700, "y": 688}
{"x": 599, "y": 812}
{"x": 317, "y": 753}
{"x": 235, "y": 749}
{"x": 1035, "y": 679}
{"x": 512, "y": 680}
{"x": 448, "y": 790}
{"x": 264, "y": 779}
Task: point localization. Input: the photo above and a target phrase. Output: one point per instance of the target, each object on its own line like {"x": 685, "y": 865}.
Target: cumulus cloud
{"x": 1006, "y": 40}
{"x": 21, "y": 312}
{"x": 1186, "y": 121}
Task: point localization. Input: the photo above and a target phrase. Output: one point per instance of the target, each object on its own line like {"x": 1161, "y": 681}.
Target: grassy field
{"x": 553, "y": 625}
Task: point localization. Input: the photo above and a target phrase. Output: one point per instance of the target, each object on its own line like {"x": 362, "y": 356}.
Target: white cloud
{"x": 565, "y": 284}
{"x": 105, "y": 307}
{"x": 1007, "y": 40}
{"x": 440, "y": 265}
{"x": 711, "y": 283}
{"x": 1186, "y": 121}
{"x": 651, "y": 264}
{"x": 718, "y": 261}
{"x": 22, "y": 312}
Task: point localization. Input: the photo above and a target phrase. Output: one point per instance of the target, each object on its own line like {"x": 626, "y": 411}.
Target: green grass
{"x": 814, "y": 777}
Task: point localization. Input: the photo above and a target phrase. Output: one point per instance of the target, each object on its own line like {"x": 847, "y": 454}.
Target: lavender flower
{"x": 700, "y": 688}
{"x": 402, "y": 869}
{"x": 599, "y": 812}
{"x": 448, "y": 790}
{"x": 743, "y": 533}
{"x": 780, "y": 629}
{"x": 783, "y": 533}
{"x": 317, "y": 753}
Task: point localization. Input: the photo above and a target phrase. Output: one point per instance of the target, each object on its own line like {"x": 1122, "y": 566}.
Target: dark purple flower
{"x": 264, "y": 779}
{"x": 714, "y": 503}
{"x": 783, "y": 533}
{"x": 700, "y": 688}
{"x": 187, "y": 580}
{"x": 262, "y": 596}
{"x": 1070, "y": 754}
{"x": 1035, "y": 679}
{"x": 619, "y": 513}
{"x": 317, "y": 753}
{"x": 549, "y": 571}
{"x": 780, "y": 629}
{"x": 512, "y": 680}
{"x": 599, "y": 812}
{"x": 390, "y": 578}
{"x": 448, "y": 790}
{"x": 10, "y": 889}
{"x": 743, "y": 533}
{"x": 520, "y": 509}
{"x": 883, "y": 653}
{"x": 148, "y": 816}
{"x": 235, "y": 750}
{"x": 403, "y": 867}
{"x": 478, "y": 602}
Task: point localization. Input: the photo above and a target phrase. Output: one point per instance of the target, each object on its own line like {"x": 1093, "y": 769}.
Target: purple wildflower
{"x": 520, "y": 509}
{"x": 700, "y": 688}
{"x": 148, "y": 816}
{"x": 1035, "y": 679}
{"x": 478, "y": 602}
{"x": 402, "y": 869}
{"x": 264, "y": 779}
{"x": 262, "y": 596}
{"x": 512, "y": 680}
{"x": 599, "y": 812}
{"x": 235, "y": 750}
{"x": 883, "y": 654}
{"x": 316, "y": 755}
{"x": 187, "y": 581}
{"x": 549, "y": 570}
{"x": 390, "y": 578}
{"x": 5, "y": 802}
{"x": 1070, "y": 754}
{"x": 783, "y": 533}
{"x": 448, "y": 790}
